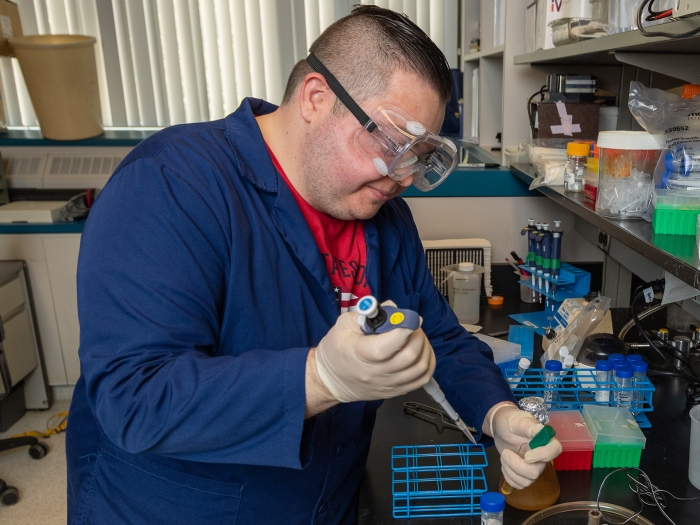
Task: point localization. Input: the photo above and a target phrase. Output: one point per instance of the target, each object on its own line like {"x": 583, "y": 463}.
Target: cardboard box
{"x": 10, "y": 26}
{"x": 552, "y": 120}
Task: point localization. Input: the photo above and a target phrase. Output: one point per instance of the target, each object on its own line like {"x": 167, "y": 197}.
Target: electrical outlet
{"x": 685, "y": 8}
{"x": 604, "y": 241}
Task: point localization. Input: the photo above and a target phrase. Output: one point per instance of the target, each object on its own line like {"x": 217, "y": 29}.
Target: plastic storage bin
{"x": 627, "y": 163}
{"x": 675, "y": 212}
{"x": 577, "y": 443}
{"x": 618, "y": 440}
{"x": 505, "y": 353}
{"x": 61, "y": 76}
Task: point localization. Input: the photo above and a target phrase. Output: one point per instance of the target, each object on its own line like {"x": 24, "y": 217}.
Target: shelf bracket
{"x": 677, "y": 65}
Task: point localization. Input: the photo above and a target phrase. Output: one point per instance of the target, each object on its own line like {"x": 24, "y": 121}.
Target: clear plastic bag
{"x": 549, "y": 158}
{"x": 583, "y": 324}
{"x": 675, "y": 124}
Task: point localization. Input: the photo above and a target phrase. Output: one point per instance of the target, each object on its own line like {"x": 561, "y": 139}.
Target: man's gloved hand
{"x": 359, "y": 367}
{"x": 512, "y": 429}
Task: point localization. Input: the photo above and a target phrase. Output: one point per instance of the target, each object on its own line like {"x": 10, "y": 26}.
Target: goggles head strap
{"x": 340, "y": 92}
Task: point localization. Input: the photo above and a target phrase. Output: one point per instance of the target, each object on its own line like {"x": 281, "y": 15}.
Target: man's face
{"x": 338, "y": 179}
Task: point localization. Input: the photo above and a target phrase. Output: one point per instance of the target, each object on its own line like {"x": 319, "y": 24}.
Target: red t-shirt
{"x": 343, "y": 246}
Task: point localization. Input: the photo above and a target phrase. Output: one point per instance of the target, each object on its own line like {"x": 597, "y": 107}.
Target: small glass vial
{"x": 523, "y": 365}
{"x": 576, "y": 157}
{"x": 492, "y": 505}
{"x": 640, "y": 376}
{"x": 624, "y": 378}
{"x": 551, "y": 378}
{"x": 603, "y": 374}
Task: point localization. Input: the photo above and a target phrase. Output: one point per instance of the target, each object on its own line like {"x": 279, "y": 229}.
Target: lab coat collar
{"x": 246, "y": 141}
{"x": 248, "y": 145}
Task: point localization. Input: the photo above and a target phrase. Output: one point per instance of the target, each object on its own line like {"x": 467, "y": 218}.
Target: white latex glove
{"x": 512, "y": 429}
{"x": 359, "y": 367}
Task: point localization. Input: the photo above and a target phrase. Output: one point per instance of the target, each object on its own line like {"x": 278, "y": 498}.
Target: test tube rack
{"x": 437, "y": 481}
{"x": 571, "y": 283}
{"x": 577, "y": 387}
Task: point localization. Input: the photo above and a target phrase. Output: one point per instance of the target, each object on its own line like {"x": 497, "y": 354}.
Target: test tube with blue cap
{"x": 377, "y": 319}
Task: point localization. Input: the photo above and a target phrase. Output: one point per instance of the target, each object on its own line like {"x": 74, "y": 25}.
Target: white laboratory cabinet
{"x": 52, "y": 262}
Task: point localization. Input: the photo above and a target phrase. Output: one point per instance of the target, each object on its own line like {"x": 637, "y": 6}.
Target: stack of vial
{"x": 628, "y": 196}
{"x": 621, "y": 374}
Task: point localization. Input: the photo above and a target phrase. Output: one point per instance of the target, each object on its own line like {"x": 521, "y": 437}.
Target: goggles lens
{"x": 400, "y": 147}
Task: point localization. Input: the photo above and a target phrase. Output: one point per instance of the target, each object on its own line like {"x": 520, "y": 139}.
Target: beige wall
{"x": 499, "y": 220}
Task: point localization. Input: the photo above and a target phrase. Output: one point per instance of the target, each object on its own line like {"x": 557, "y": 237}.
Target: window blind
{"x": 164, "y": 62}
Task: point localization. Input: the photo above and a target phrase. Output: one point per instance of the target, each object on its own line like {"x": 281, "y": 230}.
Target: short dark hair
{"x": 364, "y": 49}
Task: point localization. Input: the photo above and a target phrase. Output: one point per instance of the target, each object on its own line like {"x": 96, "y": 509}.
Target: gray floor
{"x": 41, "y": 483}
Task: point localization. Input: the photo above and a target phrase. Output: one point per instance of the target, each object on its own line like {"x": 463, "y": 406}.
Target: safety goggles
{"x": 397, "y": 145}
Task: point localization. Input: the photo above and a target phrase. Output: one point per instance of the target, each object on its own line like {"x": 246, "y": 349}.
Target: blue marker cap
{"x": 553, "y": 366}
{"x": 634, "y": 358}
{"x": 624, "y": 372}
{"x": 493, "y": 502}
{"x": 603, "y": 365}
{"x": 616, "y": 357}
{"x": 640, "y": 367}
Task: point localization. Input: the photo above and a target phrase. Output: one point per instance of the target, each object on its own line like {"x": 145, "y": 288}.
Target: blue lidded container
{"x": 553, "y": 366}
{"x": 492, "y": 505}
{"x": 615, "y": 358}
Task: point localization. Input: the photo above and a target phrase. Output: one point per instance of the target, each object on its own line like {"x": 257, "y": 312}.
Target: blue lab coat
{"x": 200, "y": 292}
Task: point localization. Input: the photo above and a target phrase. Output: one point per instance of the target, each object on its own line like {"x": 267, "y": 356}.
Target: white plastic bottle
{"x": 466, "y": 287}
{"x": 523, "y": 365}
{"x": 566, "y": 365}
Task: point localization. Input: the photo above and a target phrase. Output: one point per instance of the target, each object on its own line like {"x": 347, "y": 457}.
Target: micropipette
{"x": 538, "y": 255}
{"x": 546, "y": 260}
{"x": 377, "y": 319}
{"x": 556, "y": 254}
{"x": 531, "y": 232}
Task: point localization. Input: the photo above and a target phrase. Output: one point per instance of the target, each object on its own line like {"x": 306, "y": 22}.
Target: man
{"x": 219, "y": 383}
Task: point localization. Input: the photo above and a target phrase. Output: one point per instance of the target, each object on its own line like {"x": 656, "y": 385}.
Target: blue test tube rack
{"x": 571, "y": 283}
{"x": 437, "y": 481}
{"x": 577, "y": 387}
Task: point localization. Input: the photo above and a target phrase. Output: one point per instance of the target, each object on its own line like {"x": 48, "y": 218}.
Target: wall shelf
{"x": 675, "y": 59}
{"x": 488, "y": 53}
{"x": 673, "y": 253}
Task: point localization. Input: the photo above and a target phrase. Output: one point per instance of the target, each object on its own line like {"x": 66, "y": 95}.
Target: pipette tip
{"x": 463, "y": 427}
